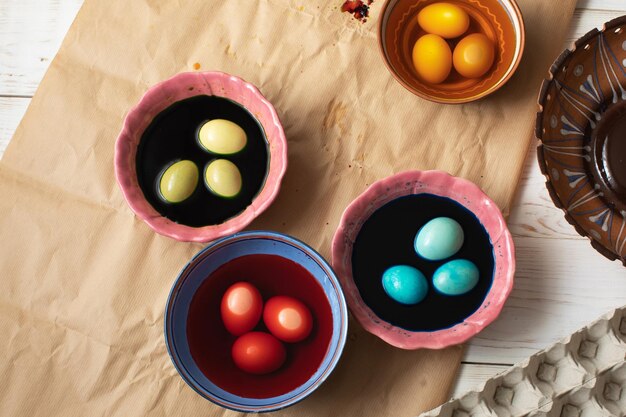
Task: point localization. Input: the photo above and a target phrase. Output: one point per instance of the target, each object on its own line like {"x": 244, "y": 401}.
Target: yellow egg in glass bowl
{"x": 405, "y": 22}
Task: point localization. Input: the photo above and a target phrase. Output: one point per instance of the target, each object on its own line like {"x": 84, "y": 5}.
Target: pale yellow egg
{"x": 223, "y": 178}
{"x": 222, "y": 137}
{"x": 179, "y": 181}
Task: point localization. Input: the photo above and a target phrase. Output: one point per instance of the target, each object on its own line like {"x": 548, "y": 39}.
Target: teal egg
{"x": 439, "y": 239}
{"x": 456, "y": 277}
{"x": 405, "y": 284}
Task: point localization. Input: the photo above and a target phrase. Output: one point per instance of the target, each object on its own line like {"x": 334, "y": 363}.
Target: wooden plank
{"x": 31, "y": 33}
{"x": 601, "y": 4}
{"x": 585, "y": 20}
{"x": 533, "y": 214}
{"x": 561, "y": 285}
{"x": 11, "y": 112}
{"x": 473, "y": 376}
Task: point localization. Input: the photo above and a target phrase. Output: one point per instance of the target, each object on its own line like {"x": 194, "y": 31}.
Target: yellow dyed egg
{"x": 222, "y": 137}
{"x": 473, "y": 55}
{"x": 179, "y": 181}
{"x": 432, "y": 58}
{"x": 223, "y": 178}
{"x": 444, "y": 19}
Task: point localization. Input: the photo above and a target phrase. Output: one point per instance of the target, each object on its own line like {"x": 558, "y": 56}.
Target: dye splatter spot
{"x": 196, "y": 66}
{"x": 358, "y": 8}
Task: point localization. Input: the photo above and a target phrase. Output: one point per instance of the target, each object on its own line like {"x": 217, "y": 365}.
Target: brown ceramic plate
{"x": 500, "y": 20}
{"x": 582, "y": 128}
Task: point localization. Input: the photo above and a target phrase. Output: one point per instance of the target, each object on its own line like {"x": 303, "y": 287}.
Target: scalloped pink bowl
{"x": 441, "y": 184}
{"x": 163, "y": 95}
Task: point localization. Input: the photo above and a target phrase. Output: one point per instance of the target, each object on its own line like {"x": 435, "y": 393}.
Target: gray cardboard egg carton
{"x": 581, "y": 376}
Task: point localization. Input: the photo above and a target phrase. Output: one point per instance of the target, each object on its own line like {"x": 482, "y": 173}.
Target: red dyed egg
{"x": 241, "y": 308}
{"x": 287, "y": 318}
{"x": 258, "y": 353}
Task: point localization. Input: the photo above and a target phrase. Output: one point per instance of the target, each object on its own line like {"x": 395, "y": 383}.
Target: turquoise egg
{"x": 439, "y": 239}
{"x": 456, "y": 277}
{"x": 405, "y": 284}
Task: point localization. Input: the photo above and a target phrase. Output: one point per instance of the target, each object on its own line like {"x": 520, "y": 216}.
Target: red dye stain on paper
{"x": 358, "y": 8}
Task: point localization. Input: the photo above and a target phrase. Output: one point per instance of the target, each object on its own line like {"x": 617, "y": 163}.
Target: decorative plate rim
{"x": 541, "y": 98}
{"x": 160, "y": 96}
{"x": 445, "y": 185}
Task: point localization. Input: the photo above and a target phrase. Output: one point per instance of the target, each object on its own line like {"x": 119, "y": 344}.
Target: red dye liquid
{"x": 210, "y": 344}
{"x": 358, "y": 8}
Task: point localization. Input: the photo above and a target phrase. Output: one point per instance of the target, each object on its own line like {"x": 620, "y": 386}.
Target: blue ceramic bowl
{"x": 201, "y": 268}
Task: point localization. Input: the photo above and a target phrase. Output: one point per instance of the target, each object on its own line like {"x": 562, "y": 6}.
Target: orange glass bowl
{"x": 500, "y": 20}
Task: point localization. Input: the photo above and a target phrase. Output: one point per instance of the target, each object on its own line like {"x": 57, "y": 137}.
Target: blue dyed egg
{"x": 405, "y": 284}
{"x": 439, "y": 239}
{"x": 456, "y": 277}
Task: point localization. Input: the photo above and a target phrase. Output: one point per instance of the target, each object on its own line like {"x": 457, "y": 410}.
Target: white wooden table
{"x": 561, "y": 282}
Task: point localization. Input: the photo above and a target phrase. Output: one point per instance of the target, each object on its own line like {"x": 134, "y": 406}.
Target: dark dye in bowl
{"x": 171, "y": 137}
{"x": 210, "y": 344}
{"x": 387, "y": 239}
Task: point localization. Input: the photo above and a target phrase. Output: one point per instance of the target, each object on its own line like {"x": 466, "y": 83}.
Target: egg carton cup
{"x": 582, "y": 376}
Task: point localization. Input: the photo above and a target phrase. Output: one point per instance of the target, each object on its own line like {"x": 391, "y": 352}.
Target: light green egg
{"x": 223, "y": 178}
{"x": 456, "y": 277}
{"x": 222, "y": 137}
{"x": 439, "y": 239}
{"x": 179, "y": 181}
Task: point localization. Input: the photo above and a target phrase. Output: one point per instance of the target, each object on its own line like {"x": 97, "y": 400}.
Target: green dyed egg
{"x": 405, "y": 284}
{"x": 222, "y": 137}
{"x": 223, "y": 178}
{"x": 179, "y": 181}
{"x": 456, "y": 277}
{"x": 439, "y": 239}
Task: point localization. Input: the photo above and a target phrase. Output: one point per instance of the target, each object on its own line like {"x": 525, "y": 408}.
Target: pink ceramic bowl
{"x": 441, "y": 184}
{"x": 163, "y": 95}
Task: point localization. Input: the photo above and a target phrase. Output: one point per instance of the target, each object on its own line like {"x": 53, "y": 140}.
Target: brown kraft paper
{"x": 83, "y": 282}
